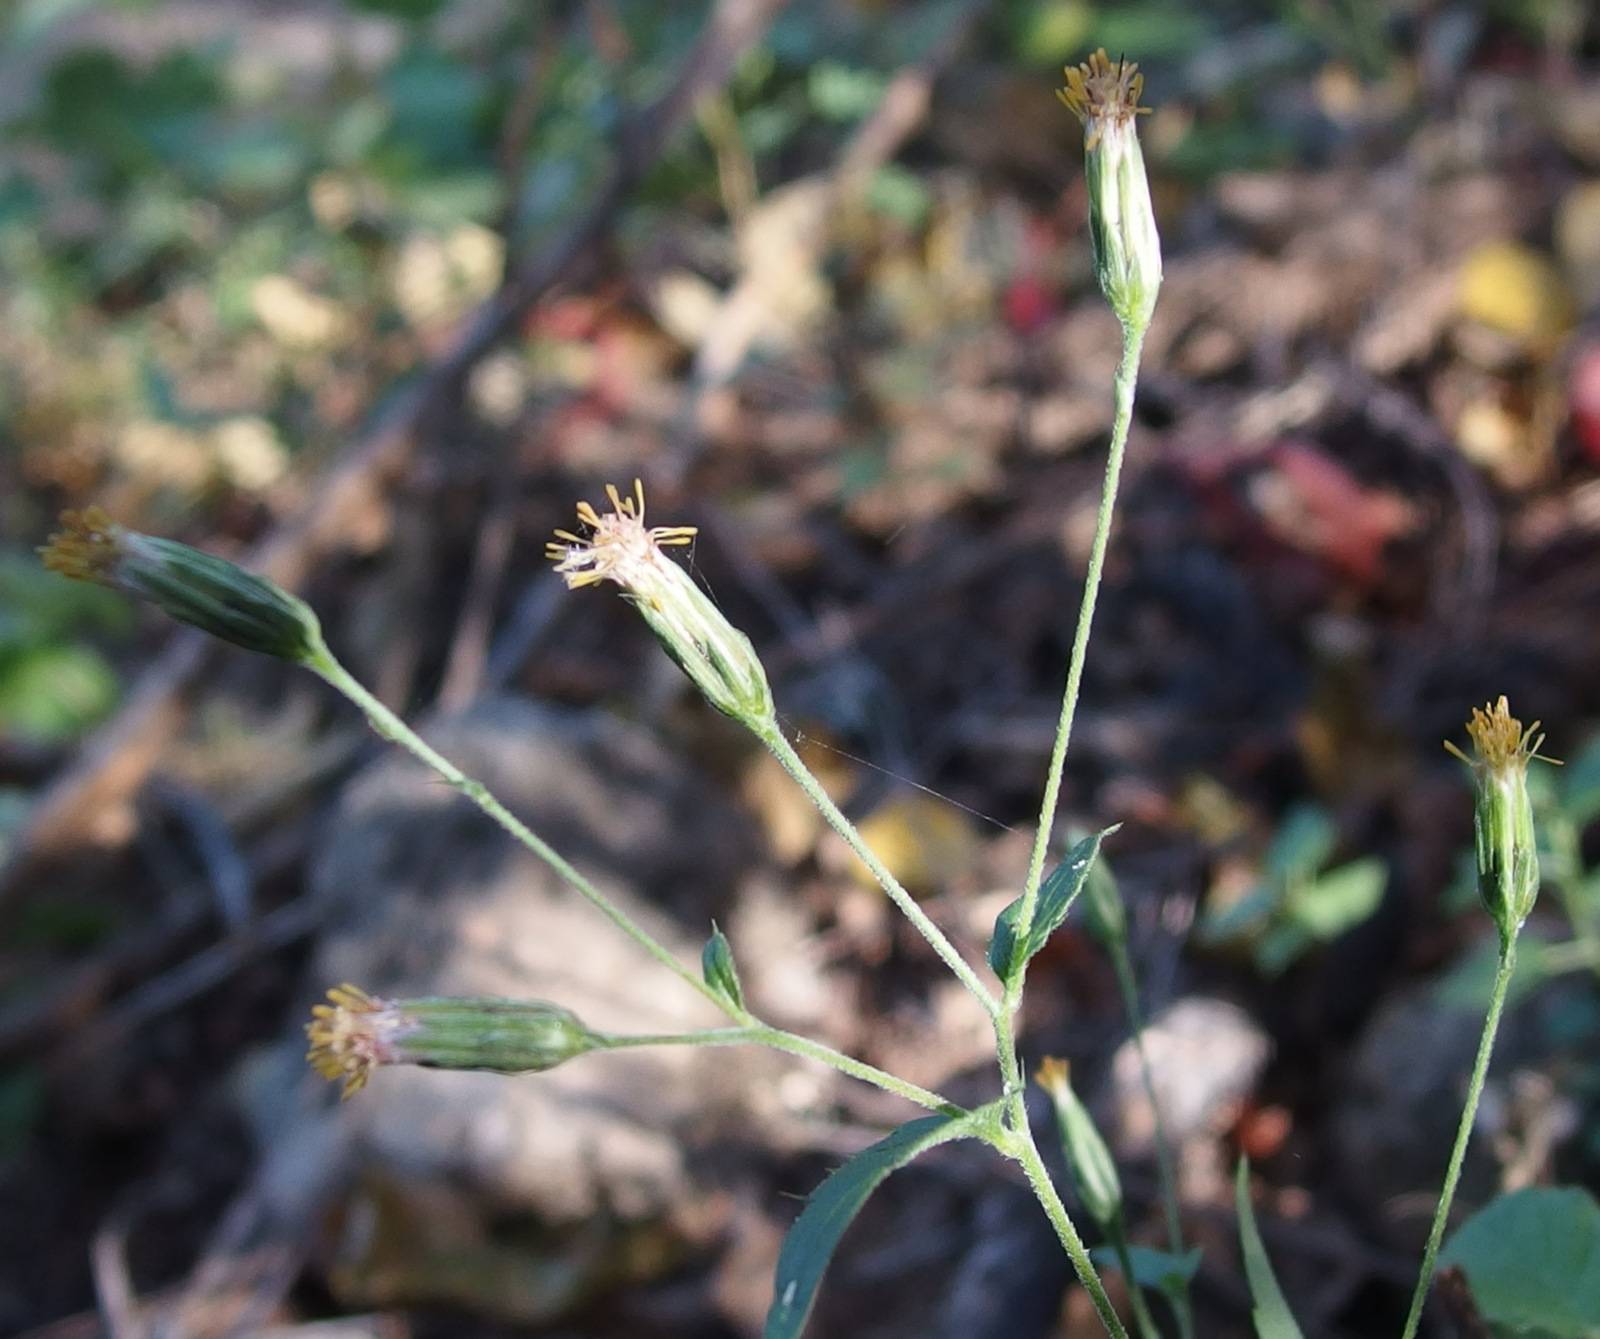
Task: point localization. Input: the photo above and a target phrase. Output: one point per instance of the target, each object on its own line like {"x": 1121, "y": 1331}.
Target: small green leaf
{"x": 1303, "y": 843}
{"x": 1532, "y": 1260}
{"x": 1161, "y": 1271}
{"x": 1273, "y": 1318}
{"x": 716, "y": 965}
{"x": 1056, "y": 896}
{"x": 831, "y": 1209}
{"x": 1342, "y": 898}
{"x": 843, "y": 92}
{"x": 52, "y": 692}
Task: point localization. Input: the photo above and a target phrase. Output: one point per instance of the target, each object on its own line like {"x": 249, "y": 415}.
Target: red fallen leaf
{"x": 1586, "y": 401}
{"x": 1027, "y": 304}
{"x": 1263, "y": 1130}
{"x": 1308, "y": 499}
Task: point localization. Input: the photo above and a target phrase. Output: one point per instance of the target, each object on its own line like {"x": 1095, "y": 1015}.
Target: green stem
{"x": 795, "y": 1044}
{"x": 1127, "y": 381}
{"x": 1019, "y": 1146}
{"x": 760, "y": 1034}
{"x": 784, "y": 752}
{"x": 1141, "y": 1312}
{"x": 1164, "y": 1163}
{"x": 1480, "y": 1069}
{"x": 392, "y": 728}
{"x": 718, "y": 1036}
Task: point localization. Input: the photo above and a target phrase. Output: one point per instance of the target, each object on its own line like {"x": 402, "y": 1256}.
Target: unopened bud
{"x": 1108, "y": 918}
{"x": 1122, "y": 221}
{"x": 1502, "y": 817}
{"x": 1089, "y": 1160}
{"x": 619, "y": 547}
{"x": 197, "y": 588}
{"x": 354, "y": 1033}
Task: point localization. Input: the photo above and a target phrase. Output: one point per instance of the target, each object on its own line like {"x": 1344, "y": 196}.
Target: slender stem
{"x": 750, "y": 1031}
{"x": 1127, "y": 380}
{"x": 784, "y": 752}
{"x": 760, "y": 1034}
{"x": 1021, "y": 1147}
{"x": 392, "y": 728}
{"x": 717, "y": 1036}
{"x": 1480, "y": 1068}
{"x": 1164, "y": 1163}
{"x": 795, "y": 1044}
{"x": 1146, "y": 1323}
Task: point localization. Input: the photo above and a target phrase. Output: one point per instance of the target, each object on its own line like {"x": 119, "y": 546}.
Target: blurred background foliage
{"x": 234, "y": 235}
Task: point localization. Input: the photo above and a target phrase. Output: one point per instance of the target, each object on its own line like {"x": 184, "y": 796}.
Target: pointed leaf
{"x": 831, "y": 1209}
{"x": 1056, "y": 896}
{"x": 1273, "y": 1318}
{"x": 717, "y": 967}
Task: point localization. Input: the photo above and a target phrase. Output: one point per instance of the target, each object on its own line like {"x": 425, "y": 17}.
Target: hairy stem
{"x": 1127, "y": 381}
{"x": 392, "y": 728}
{"x": 795, "y": 1044}
{"x": 751, "y": 1031}
{"x": 1021, "y": 1147}
{"x": 784, "y": 752}
{"x": 760, "y": 1034}
{"x": 1480, "y": 1069}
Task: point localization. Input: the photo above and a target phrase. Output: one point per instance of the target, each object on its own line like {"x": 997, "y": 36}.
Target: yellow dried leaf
{"x": 924, "y": 841}
{"x": 1516, "y": 291}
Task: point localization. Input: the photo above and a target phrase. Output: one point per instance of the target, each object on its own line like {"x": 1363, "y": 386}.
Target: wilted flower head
{"x": 1101, "y": 94}
{"x": 1122, "y": 221}
{"x": 351, "y": 1036}
{"x": 620, "y": 547}
{"x": 197, "y": 588}
{"x": 355, "y": 1033}
{"x": 1502, "y": 817}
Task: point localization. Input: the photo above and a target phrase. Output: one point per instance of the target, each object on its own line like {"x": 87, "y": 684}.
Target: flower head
{"x": 1099, "y": 94}
{"x": 1505, "y": 843}
{"x": 197, "y": 588}
{"x": 351, "y": 1037}
{"x": 355, "y": 1033}
{"x": 621, "y": 548}
{"x": 1500, "y": 740}
{"x": 86, "y": 548}
{"x": 1122, "y": 221}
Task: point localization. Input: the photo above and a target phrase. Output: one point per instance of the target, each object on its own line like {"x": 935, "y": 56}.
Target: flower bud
{"x": 1108, "y": 918}
{"x": 355, "y": 1033}
{"x": 619, "y": 547}
{"x": 197, "y": 588}
{"x": 1502, "y": 816}
{"x": 1093, "y": 1170}
{"x": 1122, "y": 222}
